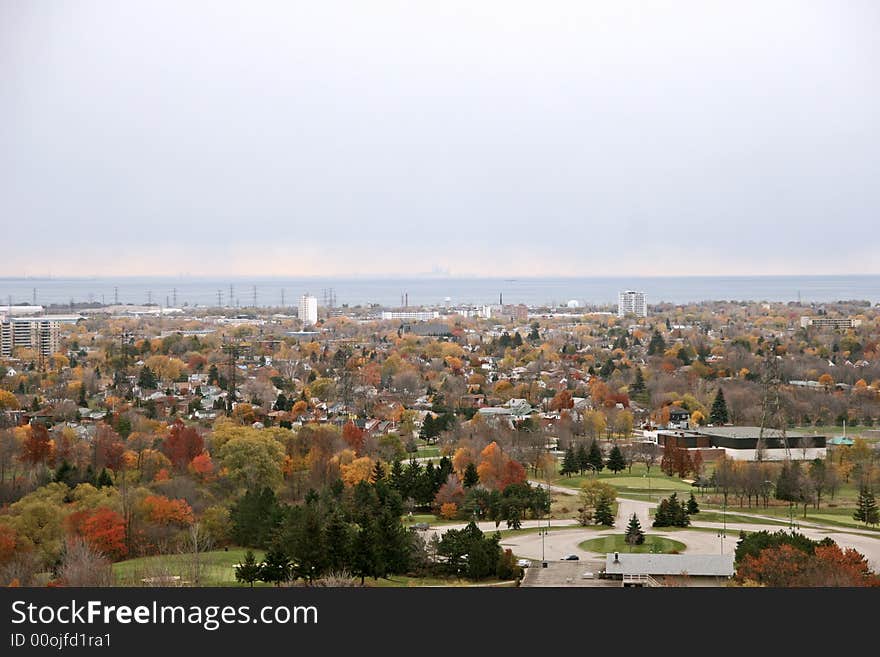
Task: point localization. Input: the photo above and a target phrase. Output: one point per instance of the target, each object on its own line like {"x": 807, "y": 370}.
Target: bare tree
{"x": 82, "y": 565}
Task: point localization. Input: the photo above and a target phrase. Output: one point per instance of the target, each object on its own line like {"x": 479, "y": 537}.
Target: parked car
{"x": 524, "y": 563}
{"x": 421, "y": 526}
{"x": 571, "y": 557}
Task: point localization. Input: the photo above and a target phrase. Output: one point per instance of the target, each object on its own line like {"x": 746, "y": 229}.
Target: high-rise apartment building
{"x": 632, "y": 303}
{"x": 38, "y": 333}
{"x": 308, "y": 310}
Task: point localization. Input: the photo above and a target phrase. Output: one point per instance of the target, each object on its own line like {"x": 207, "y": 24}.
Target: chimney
{"x": 617, "y": 557}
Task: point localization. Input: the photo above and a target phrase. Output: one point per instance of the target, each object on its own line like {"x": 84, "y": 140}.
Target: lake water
{"x": 436, "y": 290}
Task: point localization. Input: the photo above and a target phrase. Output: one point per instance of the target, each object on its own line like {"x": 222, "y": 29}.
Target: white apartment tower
{"x": 632, "y": 303}
{"x": 308, "y": 310}
{"x": 38, "y": 333}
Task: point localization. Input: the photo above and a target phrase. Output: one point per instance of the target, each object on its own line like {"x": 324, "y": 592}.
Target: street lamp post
{"x": 650, "y": 494}
{"x": 722, "y": 534}
{"x": 543, "y": 532}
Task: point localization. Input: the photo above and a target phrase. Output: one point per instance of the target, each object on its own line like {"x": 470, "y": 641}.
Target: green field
{"x": 636, "y": 484}
{"x": 617, "y": 543}
{"x": 216, "y": 568}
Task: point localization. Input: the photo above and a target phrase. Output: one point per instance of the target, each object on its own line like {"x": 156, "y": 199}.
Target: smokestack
{"x": 406, "y": 305}
{"x": 500, "y": 299}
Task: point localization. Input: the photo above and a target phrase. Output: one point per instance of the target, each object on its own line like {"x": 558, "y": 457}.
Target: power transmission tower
{"x": 219, "y": 298}
{"x": 174, "y": 296}
{"x": 255, "y": 296}
{"x": 116, "y": 296}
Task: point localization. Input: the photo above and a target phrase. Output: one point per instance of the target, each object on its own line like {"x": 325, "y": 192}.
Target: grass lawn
{"x": 425, "y": 451}
{"x": 217, "y": 567}
{"x": 617, "y": 543}
{"x": 835, "y": 516}
{"x": 506, "y": 533}
{"x": 717, "y": 516}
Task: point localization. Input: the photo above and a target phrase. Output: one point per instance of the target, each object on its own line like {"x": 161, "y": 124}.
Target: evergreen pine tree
{"x": 569, "y": 462}
{"x": 583, "y": 458}
{"x": 427, "y": 430}
{"x": 634, "y": 533}
{"x": 103, "y": 479}
{"x": 661, "y": 515}
{"x": 213, "y": 375}
{"x": 603, "y": 514}
{"x": 692, "y": 506}
{"x": 639, "y": 383}
{"x": 719, "y": 414}
{"x": 397, "y": 477}
{"x": 147, "y": 380}
{"x": 595, "y": 457}
{"x": 248, "y": 571}
{"x": 471, "y": 477}
{"x": 616, "y": 462}
{"x": 378, "y": 472}
{"x": 275, "y": 567}
{"x": 866, "y": 510}
{"x": 657, "y": 345}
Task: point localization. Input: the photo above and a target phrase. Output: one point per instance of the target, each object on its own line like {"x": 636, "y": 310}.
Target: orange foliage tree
{"x": 103, "y": 529}
{"x": 165, "y": 511}
{"x": 497, "y": 470}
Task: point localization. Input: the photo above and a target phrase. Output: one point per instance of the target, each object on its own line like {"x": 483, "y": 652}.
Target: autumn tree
{"x": 353, "y": 436}
{"x": 37, "y": 447}
{"x": 182, "y": 445}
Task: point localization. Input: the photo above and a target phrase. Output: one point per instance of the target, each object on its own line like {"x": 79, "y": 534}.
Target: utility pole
{"x": 233, "y": 351}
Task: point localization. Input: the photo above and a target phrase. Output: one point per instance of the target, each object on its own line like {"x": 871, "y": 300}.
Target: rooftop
{"x": 706, "y": 565}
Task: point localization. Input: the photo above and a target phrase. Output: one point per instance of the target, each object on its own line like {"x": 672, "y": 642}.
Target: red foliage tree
{"x": 786, "y": 566}
{"x": 8, "y": 543}
{"x": 202, "y": 466}
{"x": 108, "y": 448}
{"x": 354, "y": 437}
{"x": 37, "y": 446}
{"x": 182, "y": 444}
{"x": 103, "y": 529}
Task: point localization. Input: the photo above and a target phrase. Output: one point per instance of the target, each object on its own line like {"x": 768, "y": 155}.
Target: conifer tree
{"x": 719, "y": 414}
{"x": 634, "y": 533}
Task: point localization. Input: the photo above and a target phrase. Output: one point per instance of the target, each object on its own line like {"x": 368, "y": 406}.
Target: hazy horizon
{"x": 476, "y": 139}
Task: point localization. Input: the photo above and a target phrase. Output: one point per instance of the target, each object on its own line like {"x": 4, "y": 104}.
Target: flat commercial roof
{"x": 698, "y": 565}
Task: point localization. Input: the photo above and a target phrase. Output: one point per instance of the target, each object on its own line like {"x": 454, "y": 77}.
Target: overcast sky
{"x": 479, "y": 137}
